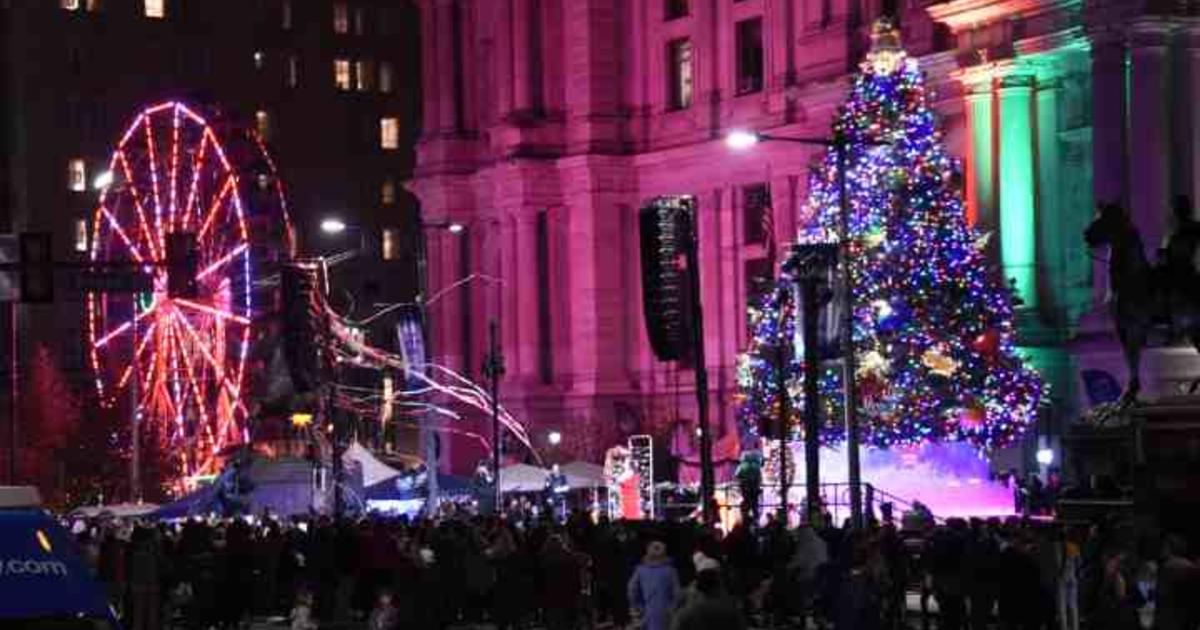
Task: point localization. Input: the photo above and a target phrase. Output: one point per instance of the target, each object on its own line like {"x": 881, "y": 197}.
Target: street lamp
{"x": 102, "y": 180}
{"x": 741, "y": 140}
{"x": 555, "y": 438}
{"x": 333, "y": 226}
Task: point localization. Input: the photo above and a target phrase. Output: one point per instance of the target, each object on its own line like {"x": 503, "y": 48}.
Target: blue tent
{"x": 41, "y": 573}
{"x": 409, "y": 488}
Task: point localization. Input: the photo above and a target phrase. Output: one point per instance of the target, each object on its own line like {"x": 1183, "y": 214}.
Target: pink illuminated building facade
{"x": 548, "y": 123}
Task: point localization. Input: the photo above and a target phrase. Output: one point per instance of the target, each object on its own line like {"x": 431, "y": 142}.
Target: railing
{"x": 835, "y": 497}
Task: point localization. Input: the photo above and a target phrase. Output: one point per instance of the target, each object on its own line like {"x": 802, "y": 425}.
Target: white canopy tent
{"x": 523, "y": 478}
{"x": 118, "y": 510}
{"x": 583, "y": 475}
{"x": 373, "y": 470}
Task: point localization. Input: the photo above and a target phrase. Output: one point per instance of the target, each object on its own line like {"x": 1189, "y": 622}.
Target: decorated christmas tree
{"x": 933, "y": 320}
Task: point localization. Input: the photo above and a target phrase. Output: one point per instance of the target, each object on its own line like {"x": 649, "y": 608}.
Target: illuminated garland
{"x": 933, "y": 325}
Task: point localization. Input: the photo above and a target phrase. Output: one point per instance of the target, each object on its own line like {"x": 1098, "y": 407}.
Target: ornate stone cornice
{"x": 962, "y": 15}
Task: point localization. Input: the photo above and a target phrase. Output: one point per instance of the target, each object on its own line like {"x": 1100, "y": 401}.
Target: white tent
{"x": 118, "y": 510}
{"x": 582, "y": 475}
{"x": 373, "y": 470}
{"x": 523, "y": 478}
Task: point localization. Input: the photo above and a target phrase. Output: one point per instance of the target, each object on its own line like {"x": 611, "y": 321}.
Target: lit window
{"x": 360, "y": 19}
{"x": 390, "y": 247}
{"x": 389, "y": 133}
{"x": 293, "y": 71}
{"x": 259, "y": 59}
{"x": 385, "y": 77}
{"x": 156, "y": 8}
{"x": 341, "y": 18}
{"x": 262, "y": 122}
{"x": 341, "y": 73}
{"x": 71, "y": 5}
{"x": 93, "y": 5}
{"x": 285, "y": 15}
{"x": 81, "y": 235}
{"x": 77, "y": 175}
{"x": 387, "y": 192}
{"x": 364, "y": 75}
{"x": 679, "y": 91}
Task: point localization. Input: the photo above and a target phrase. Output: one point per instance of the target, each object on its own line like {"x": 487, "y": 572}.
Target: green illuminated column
{"x": 1018, "y": 233}
{"x": 981, "y": 192}
{"x": 1056, "y": 228}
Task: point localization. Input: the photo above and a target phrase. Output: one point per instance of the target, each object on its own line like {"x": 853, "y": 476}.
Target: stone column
{"x": 981, "y": 192}
{"x": 430, "y": 79}
{"x": 445, "y": 44}
{"x": 522, "y": 55}
{"x": 1018, "y": 228}
{"x": 1193, "y": 82}
{"x": 525, "y": 289}
{"x": 1149, "y": 132}
{"x": 1051, "y": 216}
{"x": 1109, "y": 177}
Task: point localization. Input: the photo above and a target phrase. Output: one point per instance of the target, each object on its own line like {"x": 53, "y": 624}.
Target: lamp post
{"x": 740, "y": 140}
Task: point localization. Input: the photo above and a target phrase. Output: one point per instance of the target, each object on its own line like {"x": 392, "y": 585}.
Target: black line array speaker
{"x": 667, "y": 228}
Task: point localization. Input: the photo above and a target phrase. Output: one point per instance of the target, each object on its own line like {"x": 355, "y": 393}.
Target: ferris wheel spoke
{"x": 116, "y": 227}
{"x": 215, "y": 208}
{"x": 197, "y": 167}
{"x": 174, "y": 182}
{"x": 158, "y": 225}
{"x": 222, "y": 261}
{"x": 137, "y": 355}
{"x": 128, "y": 325}
{"x": 215, "y": 312}
{"x": 191, "y": 375}
{"x": 137, "y": 203}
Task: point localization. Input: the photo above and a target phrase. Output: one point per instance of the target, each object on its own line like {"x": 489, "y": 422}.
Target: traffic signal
{"x": 299, "y": 285}
{"x": 37, "y": 267}
{"x": 181, "y": 265}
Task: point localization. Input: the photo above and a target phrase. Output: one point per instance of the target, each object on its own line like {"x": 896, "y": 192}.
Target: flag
{"x": 768, "y": 228}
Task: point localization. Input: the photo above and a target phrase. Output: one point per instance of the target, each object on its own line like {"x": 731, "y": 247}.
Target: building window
{"x": 341, "y": 74}
{"x": 385, "y": 77}
{"x": 260, "y": 59}
{"x": 360, "y": 20}
{"x": 293, "y": 71}
{"x": 749, "y": 56}
{"x": 389, "y": 133}
{"x": 156, "y": 8}
{"x": 389, "y": 247}
{"x": 285, "y": 15}
{"x": 364, "y": 75}
{"x": 341, "y": 18}
{"x": 675, "y": 9}
{"x": 81, "y": 235}
{"x": 262, "y": 122}
{"x": 756, "y": 204}
{"x": 387, "y": 192}
{"x": 679, "y": 73}
{"x": 77, "y": 175}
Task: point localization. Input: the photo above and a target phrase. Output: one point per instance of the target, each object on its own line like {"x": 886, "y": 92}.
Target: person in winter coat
{"x": 654, "y": 587}
{"x": 710, "y": 608}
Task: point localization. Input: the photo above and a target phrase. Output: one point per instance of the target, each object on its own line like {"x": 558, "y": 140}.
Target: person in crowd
{"x": 302, "y": 617}
{"x": 654, "y": 587}
{"x": 384, "y": 616}
{"x": 710, "y": 607}
{"x": 1177, "y": 587}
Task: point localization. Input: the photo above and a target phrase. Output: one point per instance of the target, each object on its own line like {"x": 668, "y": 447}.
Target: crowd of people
{"x": 392, "y": 574}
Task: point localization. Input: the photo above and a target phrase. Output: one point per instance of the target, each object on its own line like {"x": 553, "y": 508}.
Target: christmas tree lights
{"x": 933, "y": 323}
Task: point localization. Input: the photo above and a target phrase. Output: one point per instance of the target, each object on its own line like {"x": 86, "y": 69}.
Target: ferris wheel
{"x": 179, "y": 360}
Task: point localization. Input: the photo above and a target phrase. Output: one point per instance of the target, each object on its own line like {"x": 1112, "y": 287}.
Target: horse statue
{"x": 1145, "y": 294}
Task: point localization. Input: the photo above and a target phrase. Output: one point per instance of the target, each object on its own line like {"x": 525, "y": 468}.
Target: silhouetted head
{"x": 1110, "y": 220}
{"x": 1182, "y": 209}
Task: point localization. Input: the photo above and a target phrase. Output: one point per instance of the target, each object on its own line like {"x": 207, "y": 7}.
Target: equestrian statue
{"x": 1146, "y": 294}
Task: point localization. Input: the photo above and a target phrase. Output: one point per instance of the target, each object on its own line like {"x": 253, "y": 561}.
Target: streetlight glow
{"x": 456, "y": 228}
{"x": 555, "y": 438}
{"x": 103, "y": 180}
{"x": 740, "y": 139}
{"x": 1045, "y": 456}
{"x": 333, "y": 226}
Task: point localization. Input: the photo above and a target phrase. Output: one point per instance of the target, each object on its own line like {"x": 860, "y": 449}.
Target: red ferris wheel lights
{"x": 222, "y": 261}
{"x": 216, "y": 206}
{"x": 215, "y": 312}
